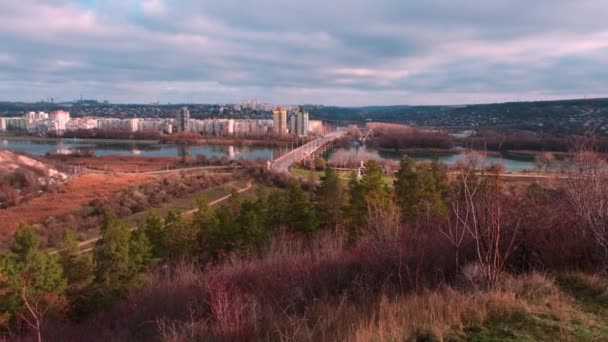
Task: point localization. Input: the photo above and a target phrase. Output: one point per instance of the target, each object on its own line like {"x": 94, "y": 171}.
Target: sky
{"x": 332, "y": 52}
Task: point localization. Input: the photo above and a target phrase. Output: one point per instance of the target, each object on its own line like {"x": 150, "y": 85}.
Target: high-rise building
{"x": 61, "y": 117}
{"x": 293, "y": 124}
{"x": 279, "y": 121}
{"x": 182, "y": 121}
{"x": 302, "y": 123}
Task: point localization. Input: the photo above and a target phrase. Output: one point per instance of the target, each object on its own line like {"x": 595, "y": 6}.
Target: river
{"x": 153, "y": 149}
{"x": 138, "y": 148}
{"x": 512, "y": 163}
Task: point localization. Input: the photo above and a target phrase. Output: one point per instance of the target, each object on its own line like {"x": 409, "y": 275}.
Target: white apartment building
{"x": 16, "y": 124}
{"x": 155, "y": 125}
{"x": 80, "y": 124}
{"x": 127, "y": 125}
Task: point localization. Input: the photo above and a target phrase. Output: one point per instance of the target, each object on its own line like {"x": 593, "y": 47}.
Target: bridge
{"x": 284, "y": 162}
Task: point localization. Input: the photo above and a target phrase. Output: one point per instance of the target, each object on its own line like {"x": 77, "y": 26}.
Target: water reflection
{"x": 151, "y": 149}
{"x": 353, "y": 155}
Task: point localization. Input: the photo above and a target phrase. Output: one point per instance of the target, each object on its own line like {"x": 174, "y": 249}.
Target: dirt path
{"x": 88, "y": 245}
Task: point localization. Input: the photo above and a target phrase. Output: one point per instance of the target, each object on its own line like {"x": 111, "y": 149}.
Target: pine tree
{"x": 356, "y": 212}
{"x": 155, "y": 232}
{"x": 77, "y": 267}
{"x": 421, "y": 190}
{"x": 140, "y": 252}
{"x": 302, "y": 215}
{"x": 251, "y": 228}
{"x": 112, "y": 255}
{"x": 181, "y": 237}
{"x": 372, "y": 182}
{"x": 330, "y": 199}
{"x": 33, "y": 281}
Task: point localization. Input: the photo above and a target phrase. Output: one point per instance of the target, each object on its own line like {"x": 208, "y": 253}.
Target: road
{"x": 284, "y": 162}
{"x": 88, "y": 245}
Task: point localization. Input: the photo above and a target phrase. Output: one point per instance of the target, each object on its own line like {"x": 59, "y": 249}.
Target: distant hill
{"x": 560, "y": 117}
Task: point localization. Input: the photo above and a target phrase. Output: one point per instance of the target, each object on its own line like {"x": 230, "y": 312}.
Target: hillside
{"x": 22, "y": 177}
{"x": 557, "y": 117}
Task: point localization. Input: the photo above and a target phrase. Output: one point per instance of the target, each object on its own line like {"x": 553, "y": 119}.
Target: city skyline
{"x": 339, "y": 53}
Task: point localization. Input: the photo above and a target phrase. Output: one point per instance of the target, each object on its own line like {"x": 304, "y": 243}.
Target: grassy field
{"x": 189, "y": 202}
{"x": 182, "y": 204}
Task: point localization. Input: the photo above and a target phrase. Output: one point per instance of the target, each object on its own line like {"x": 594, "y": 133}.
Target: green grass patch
{"x": 592, "y": 297}
{"x": 519, "y": 326}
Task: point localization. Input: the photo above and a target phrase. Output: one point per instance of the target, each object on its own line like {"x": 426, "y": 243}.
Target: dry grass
{"x": 126, "y": 163}
{"x": 529, "y": 307}
{"x": 447, "y": 314}
{"x": 76, "y": 193}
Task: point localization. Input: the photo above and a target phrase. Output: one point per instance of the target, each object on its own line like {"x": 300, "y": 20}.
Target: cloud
{"x": 286, "y": 51}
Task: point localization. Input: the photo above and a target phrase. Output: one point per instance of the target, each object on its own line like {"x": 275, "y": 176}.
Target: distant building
{"x": 182, "y": 121}
{"x": 2, "y": 124}
{"x": 16, "y": 124}
{"x": 61, "y": 117}
{"x": 293, "y": 124}
{"x": 124, "y": 125}
{"x": 279, "y": 121}
{"x": 81, "y": 124}
{"x": 302, "y": 124}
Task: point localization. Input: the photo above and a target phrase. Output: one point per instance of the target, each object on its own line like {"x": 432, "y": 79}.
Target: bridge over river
{"x": 284, "y": 162}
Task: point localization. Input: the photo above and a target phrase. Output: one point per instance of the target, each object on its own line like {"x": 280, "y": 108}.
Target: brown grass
{"x": 445, "y": 314}
{"x": 77, "y": 192}
{"x": 126, "y": 163}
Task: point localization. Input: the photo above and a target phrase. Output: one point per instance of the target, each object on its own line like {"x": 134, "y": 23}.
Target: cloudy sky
{"x": 341, "y": 52}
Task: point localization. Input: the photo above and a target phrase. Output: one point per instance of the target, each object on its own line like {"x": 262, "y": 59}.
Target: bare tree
{"x": 588, "y": 194}
{"x": 453, "y": 229}
{"x": 480, "y": 211}
{"x": 383, "y": 219}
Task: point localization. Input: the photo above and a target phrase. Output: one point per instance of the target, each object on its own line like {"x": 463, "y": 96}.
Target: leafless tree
{"x": 480, "y": 211}
{"x": 588, "y": 194}
{"x": 383, "y": 219}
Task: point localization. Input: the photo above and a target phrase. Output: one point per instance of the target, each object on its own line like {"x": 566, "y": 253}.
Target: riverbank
{"x": 84, "y": 140}
{"x": 240, "y": 142}
{"x": 267, "y": 140}
{"x": 528, "y": 154}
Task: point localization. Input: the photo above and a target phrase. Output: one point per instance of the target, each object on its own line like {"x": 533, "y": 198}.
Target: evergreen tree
{"x": 32, "y": 281}
{"x": 25, "y": 244}
{"x": 77, "y": 267}
{"x": 330, "y": 199}
{"x": 112, "y": 256}
{"x": 251, "y": 228}
{"x": 278, "y": 210}
{"x": 140, "y": 252}
{"x": 224, "y": 238}
{"x": 421, "y": 190}
{"x": 205, "y": 223}
{"x": 181, "y": 237}
{"x": 372, "y": 182}
{"x": 301, "y": 212}
{"x": 356, "y": 212}
{"x": 154, "y": 229}
{"x": 204, "y": 217}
